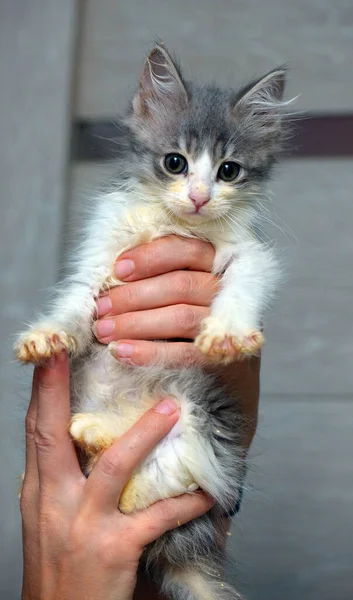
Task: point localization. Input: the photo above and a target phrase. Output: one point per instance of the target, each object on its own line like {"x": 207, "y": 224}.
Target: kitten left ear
{"x": 160, "y": 84}
{"x": 268, "y": 89}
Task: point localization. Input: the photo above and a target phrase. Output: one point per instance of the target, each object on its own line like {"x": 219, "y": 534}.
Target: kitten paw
{"x": 89, "y": 432}
{"x": 138, "y": 493}
{"x": 224, "y": 347}
{"x": 37, "y": 345}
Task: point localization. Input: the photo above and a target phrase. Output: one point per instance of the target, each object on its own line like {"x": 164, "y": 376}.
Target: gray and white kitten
{"x": 193, "y": 162}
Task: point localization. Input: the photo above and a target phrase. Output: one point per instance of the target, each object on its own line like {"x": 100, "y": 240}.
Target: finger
{"x": 170, "y": 253}
{"x": 178, "y": 287}
{"x": 56, "y": 455}
{"x": 178, "y": 321}
{"x": 31, "y": 473}
{"x": 116, "y": 465}
{"x": 169, "y": 354}
{"x": 169, "y": 514}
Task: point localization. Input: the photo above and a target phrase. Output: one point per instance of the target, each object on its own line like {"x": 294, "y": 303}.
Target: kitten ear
{"x": 267, "y": 90}
{"x": 263, "y": 98}
{"x": 160, "y": 84}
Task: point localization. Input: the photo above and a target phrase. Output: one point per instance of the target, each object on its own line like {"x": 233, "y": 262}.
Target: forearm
{"x": 242, "y": 381}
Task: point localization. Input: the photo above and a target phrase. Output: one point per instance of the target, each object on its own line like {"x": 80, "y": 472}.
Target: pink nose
{"x": 199, "y": 199}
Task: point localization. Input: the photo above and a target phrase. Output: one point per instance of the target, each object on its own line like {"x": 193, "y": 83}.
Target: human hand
{"x": 167, "y": 295}
{"x": 76, "y": 544}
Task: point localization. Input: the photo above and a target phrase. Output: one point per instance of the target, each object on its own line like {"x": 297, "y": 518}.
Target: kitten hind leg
{"x": 95, "y": 432}
{"x": 197, "y": 582}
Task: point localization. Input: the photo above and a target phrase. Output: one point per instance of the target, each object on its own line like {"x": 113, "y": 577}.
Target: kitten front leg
{"x": 233, "y": 329}
{"x": 67, "y": 327}
{"x": 69, "y": 323}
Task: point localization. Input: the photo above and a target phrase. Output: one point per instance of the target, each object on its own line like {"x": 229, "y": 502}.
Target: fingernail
{"x": 166, "y": 407}
{"x": 124, "y": 268}
{"x": 104, "y": 328}
{"x": 121, "y": 350}
{"x": 104, "y": 305}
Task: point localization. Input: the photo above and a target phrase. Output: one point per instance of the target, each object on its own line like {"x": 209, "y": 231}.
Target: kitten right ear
{"x": 160, "y": 84}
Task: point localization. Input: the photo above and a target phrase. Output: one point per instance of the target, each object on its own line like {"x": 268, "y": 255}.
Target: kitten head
{"x": 204, "y": 151}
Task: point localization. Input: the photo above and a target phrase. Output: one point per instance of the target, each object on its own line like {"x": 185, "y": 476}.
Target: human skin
{"x": 169, "y": 291}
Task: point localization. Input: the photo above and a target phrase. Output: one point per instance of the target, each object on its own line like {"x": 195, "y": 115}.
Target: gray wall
{"x": 293, "y": 536}
{"x": 36, "y": 57}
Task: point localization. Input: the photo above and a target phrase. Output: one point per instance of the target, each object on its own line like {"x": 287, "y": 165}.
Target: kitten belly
{"x": 111, "y": 399}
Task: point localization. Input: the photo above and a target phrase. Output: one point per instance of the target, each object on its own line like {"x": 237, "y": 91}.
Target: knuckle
{"x": 46, "y": 386}
{"x": 185, "y": 317}
{"x": 151, "y": 256}
{"x": 52, "y": 524}
{"x": 188, "y": 355}
{"x": 111, "y": 466}
{"x": 196, "y": 251}
{"x": 132, "y": 321}
{"x": 182, "y": 284}
{"x": 77, "y": 535}
{"x": 129, "y": 294}
{"x": 125, "y": 325}
{"x": 108, "y": 546}
{"x": 30, "y": 426}
{"x": 107, "y": 550}
{"x": 44, "y": 439}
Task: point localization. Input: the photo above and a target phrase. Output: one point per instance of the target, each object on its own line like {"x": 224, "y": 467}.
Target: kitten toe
{"x": 224, "y": 347}
{"x": 37, "y": 345}
{"x": 251, "y": 344}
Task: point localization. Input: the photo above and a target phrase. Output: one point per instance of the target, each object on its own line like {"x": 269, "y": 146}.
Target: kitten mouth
{"x": 196, "y": 211}
{"x": 196, "y": 215}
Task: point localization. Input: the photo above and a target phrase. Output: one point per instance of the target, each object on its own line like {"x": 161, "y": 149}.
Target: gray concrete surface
{"x": 292, "y": 539}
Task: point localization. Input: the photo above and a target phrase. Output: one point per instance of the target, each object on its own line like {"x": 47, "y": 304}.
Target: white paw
{"x": 37, "y": 345}
{"x": 225, "y": 346}
{"x": 88, "y": 430}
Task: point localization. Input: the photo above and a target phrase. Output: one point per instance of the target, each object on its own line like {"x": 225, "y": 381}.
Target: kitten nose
{"x": 199, "y": 198}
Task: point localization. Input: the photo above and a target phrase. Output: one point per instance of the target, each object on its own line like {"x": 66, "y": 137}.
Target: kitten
{"x": 193, "y": 162}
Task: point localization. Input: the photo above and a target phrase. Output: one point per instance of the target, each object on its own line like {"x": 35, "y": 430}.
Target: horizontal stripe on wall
{"x": 312, "y": 136}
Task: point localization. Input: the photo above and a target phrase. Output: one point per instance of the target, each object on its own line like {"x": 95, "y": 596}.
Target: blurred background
{"x": 66, "y": 68}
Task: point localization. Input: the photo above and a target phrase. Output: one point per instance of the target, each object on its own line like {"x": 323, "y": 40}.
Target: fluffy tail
{"x": 196, "y": 583}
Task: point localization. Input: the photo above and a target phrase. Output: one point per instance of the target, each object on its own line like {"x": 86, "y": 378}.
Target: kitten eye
{"x": 229, "y": 171}
{"x": 175, "y": 163}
